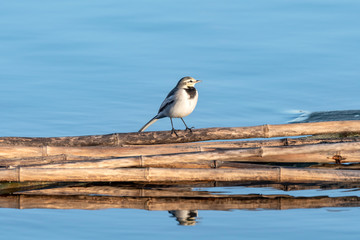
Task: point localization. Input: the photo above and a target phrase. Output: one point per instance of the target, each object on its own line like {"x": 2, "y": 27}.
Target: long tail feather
{"x": 154, "y": 119}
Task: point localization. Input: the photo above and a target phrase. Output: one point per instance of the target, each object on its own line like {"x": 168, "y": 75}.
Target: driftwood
{"x": 276, "y": 174}
{"x": 144, "y": 138}
{"x": 255, "y": 202}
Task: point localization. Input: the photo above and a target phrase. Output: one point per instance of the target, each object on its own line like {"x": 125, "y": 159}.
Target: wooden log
{"x": 62, "y": 161}
{"x": 43, "y": 152}
{"x": 126, "y": 175}
{"x": 145, "y": 138}
{"x": 322, "y": 153}
{"x": 321, "y": 157}
{"x": 176, "y": 203}
{"x": 277, "y": 174}
{"x": 30, "y": 161}
{"x": 135, "y": 162}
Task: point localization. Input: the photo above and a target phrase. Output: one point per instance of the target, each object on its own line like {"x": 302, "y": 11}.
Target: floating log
{"x": 104, "y": 158}
{"x": 30, "y": 161}
{"x": 165, "y": 137}
{"x": 325, "y": 153}
{"x": 321, "y": 153}
{"x": 60, "y": 154}
{"x": 276, "y": 174}
{"x": 255, "y": 202}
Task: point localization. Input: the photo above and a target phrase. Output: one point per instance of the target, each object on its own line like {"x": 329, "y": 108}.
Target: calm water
{"x": 95, "y": 67}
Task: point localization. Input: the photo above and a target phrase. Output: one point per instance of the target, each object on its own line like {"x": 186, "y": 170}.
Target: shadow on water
{"x": 340, "y": 115}
{"x": 182, "y": 201}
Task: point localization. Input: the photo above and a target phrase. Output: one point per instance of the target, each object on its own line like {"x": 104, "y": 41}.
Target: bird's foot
{"x": 173, "y": 131}
{"x": 190, "y": 129}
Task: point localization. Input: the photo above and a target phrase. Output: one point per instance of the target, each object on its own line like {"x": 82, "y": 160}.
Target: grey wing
{"x": 168, "y": 100}
{"x": 171, "y": 93}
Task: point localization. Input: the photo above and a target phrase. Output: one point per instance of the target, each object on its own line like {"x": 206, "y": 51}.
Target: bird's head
{"x": 187, "y": 82}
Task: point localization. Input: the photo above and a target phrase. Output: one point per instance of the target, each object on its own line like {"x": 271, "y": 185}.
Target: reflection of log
{"x": 132, "y": 190}
{"x": 10, "y": 187}
{"x": 276, "y": 174}
{"x": 264, "y": 131}
{"x": 164, "y": 189}
{"x": 121, "y": 192}
{"x": 169, "y": 203}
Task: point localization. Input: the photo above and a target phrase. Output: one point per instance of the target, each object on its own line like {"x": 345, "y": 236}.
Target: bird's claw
{"x": 190, "y": 129}
{"x": 173, "y": 131}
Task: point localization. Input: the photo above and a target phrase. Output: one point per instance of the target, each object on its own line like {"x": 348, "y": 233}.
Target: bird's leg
{"x": 172, "y": 128}
{"x": 187, "y": 128}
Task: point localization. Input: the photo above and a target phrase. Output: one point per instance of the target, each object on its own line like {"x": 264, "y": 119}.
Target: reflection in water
{"x": 182, "y": 201}
{"x": 185, "y": 217}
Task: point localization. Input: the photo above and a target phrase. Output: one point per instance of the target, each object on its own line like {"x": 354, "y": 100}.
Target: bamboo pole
{"x": 29, "y": 161}
{"x": 277, "y": 174}
{"x": 165, "y": 137}
{"x": 44, "y": 153}
{"x": 321, "y": 153}
{"x": 70, "y": 153}
{"x": 175, "y": 203}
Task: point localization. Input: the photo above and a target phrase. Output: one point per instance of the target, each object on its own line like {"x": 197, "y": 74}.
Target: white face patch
{"x": 190, "y": 83}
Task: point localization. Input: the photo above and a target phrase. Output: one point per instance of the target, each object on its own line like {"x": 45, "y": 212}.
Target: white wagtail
{"x": 179, "y": 103}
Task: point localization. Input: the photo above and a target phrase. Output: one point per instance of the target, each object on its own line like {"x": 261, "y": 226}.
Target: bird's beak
{"x": 198, "y": 81}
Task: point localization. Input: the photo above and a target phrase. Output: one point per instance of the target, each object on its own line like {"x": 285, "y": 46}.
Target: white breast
{"x": 183, "y": 105}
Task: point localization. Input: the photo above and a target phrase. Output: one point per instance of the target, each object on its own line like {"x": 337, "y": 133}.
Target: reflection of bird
{"x": 179, "y": 103}
{"x": 185, "y": 217}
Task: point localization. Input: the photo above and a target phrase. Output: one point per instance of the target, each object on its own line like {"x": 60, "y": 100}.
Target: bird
{"x": 179, "y": 103}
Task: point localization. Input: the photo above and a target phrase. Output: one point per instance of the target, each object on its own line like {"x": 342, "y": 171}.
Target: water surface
{"x": 96, "y": 67}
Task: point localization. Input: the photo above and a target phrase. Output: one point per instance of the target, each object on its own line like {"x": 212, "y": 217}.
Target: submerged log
{"x": 164, "y": 137}
{"x": 276, "y": 174}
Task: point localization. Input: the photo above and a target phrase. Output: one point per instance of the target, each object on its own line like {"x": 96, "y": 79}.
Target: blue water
{"x": 138, "y": 224}
{"x": 96, "y": 67}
